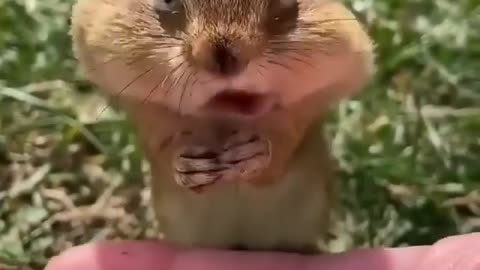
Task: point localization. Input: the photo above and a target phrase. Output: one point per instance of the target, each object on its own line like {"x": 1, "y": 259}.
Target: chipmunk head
{"x": 237, "y": 57}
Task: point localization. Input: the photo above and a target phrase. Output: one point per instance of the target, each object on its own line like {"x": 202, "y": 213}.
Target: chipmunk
{"x": 228, "y": 99}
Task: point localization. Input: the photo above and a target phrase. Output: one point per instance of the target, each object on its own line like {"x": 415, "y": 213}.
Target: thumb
{"x": 453, "y": 253}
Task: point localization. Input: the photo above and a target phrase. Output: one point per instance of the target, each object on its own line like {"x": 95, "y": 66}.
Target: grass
{"x": 408, "y": 147}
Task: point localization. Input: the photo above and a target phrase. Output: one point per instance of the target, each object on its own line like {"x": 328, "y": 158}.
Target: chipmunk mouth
{"x": 241, "y": 103}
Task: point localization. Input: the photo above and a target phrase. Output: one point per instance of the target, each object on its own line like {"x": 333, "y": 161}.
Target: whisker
{"x": 172, "y": 71}
{"x": 293, "y": 44}
{"x": 310, "y": 27}
{"x": 135, "y": 79}
{"x": 166, "y": 46}
{"x": 99, "y": 65}
{"x": 301, "y": 46}
{"x": 259, "y": 68}
{"x": 191, "y": 75}
{"x": 101, "y": 112}
{"x": 192, "y": 86}
{"x": 324, "y": 47}
{"x": 184, "y": 89}
{"x": 206, "y": 81}
{"x": 117, "y": 95}
{"x": 165, "y": 36}
{"x": 153, "y": 67}
{"x": 298, "y": 59}
{"x": 320, "y": 22}
{"x": 128, "y": 63}
{"x": 307, "y": 41}
{"x": 162, "y": 82}
{"x": 173, "y": 57}
{"x": 280, "y": 64}
{"x": 150, "y": 93}
{"x": 179, "y": 78}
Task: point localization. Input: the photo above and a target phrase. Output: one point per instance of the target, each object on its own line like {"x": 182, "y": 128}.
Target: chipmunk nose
{"x": 219, "y": 58}
{"x": 226, "y": 61}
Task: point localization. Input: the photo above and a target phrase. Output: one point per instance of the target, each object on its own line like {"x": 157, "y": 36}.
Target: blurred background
{"x": 408, "y": 147}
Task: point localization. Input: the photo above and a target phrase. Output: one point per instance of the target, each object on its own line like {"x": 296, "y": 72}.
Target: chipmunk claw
{"x": 237, "y": 157}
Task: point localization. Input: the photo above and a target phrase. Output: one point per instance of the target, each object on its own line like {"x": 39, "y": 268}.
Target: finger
{"x": 157, "y": 256}
{"x": 382, "y": 259}
{"x": 454, "y": 253}
{"x": 115, "y": 256}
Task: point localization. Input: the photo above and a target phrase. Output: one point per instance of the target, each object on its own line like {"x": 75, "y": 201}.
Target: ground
{"x": 408, "y": 147}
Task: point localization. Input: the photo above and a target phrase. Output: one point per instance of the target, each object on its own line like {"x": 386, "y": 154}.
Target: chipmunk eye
{"x": 167, "y": 5}
{"x": 171, "y": 15}
{"x": 283, "y": 15}
{"x": 283, "y": 9}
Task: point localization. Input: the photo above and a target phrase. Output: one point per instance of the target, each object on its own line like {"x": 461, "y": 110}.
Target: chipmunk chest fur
{"x": 287, "y": 212}
{"x": 288, "y": 216}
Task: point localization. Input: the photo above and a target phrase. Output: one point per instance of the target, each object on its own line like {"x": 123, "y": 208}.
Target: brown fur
{"x": 155, "y": 67}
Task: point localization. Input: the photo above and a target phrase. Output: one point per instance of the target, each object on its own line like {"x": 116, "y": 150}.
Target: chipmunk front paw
{"x": 238, "y": 156}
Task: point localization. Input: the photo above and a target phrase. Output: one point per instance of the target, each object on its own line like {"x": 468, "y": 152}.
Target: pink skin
{"x": 453, "y": 253}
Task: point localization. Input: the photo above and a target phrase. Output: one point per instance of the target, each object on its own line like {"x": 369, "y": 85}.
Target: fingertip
{"x": 454, "y": 253}
{"x": 80, "y": 257}
{"x": 125, "y": 255}
{"x": 459, "y": 240}
{"x": 373, "y": 259}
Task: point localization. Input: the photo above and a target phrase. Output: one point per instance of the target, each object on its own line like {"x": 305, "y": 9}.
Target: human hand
{"x": 453, "y": 253}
